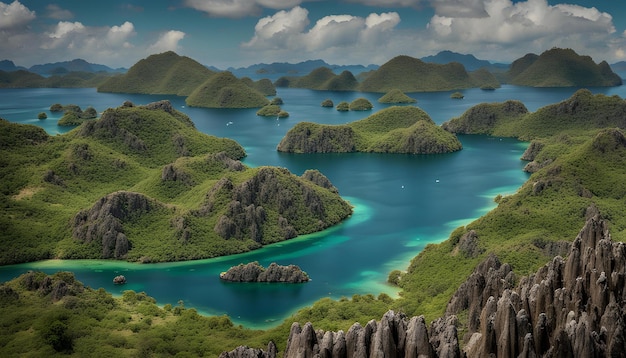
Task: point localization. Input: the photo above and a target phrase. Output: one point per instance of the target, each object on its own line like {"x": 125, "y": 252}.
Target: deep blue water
{"x": 402, "y": 202}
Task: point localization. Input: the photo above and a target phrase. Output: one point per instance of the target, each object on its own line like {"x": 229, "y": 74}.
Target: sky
{"x": 239, "y": 33}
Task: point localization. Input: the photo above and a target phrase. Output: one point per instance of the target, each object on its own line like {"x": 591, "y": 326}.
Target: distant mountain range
{"x": 278, "y": 69}
{"x": 60, "y": 68}
{"x": 470, "y": 62}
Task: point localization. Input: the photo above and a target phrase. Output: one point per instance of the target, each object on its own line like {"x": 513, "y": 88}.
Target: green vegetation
{"x": 392, "y": 130}
{"x": 396, "y": 96}
{"x": 42, "y": 115}
{"x": 561, "y": 68}
{"x": 164, "y": 73}
{"x": 582, "y": 111}
{"x": 327, "y": 103}
{"x": 73, "y": 115}
{"x": 457, "y": 95}
{"x": 224, "y": 90}
{"x": 361, "y": 104}
{"x": 264, "y": 86}
{"x": 142, "y": 184}
{"x": 343, "y": 106}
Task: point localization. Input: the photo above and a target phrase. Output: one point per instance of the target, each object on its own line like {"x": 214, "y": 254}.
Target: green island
{"x": 398, "y": 129}
{"x": 142, "y": 184}
{"x": 395, "y": 96}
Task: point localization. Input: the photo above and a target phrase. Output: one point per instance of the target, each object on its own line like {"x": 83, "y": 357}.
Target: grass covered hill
{"x": 224, "y": 90}
{"x": 410, "y": 74}
{"x": 164, "y": 73}
{"x": 561, "y": 68}
{"x": 397, "y": 129}
{"x": 582, "y": 111}
{"x": 142, "y": 184}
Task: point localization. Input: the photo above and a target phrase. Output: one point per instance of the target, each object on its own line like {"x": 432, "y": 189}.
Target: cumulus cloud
{"x": 460, "y": 8}
{"x": 286, "y": 32}
{"x": 168, "y": 41}
{"x": 14, "y": 16}
{"x": 532, "y": 24}
{"x": 58, "y": 13}
{"x": 119, "y": 35}
{"x": 389, "y": 3}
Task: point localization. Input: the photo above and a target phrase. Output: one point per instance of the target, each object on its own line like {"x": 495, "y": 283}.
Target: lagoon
{"x": 402, "y": 202}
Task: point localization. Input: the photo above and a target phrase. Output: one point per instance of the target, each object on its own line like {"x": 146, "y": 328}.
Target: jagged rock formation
{"x": 298, "y": 208}
{"x": 572, "y": 307}
{"x": 119, "y": 280}
{"x": 254, "y": 272}
{"x": 103, "y": 221}
{"x": 319, "y": 179}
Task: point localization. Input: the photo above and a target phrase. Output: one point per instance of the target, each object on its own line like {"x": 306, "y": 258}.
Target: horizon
{"x": 236, "y": 34}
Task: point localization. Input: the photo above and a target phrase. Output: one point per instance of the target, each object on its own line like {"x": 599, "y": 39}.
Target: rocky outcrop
{"x": 119, "y": 280}
{"x": 316, "y": 177}
{"x": 254, "y": 272}
{"x": 297, "y": 206}
{"x": 103, "y": 221}
{"x": 570, "y": 307}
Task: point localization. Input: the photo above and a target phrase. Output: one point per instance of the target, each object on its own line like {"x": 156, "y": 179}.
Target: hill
{"x": 322, "y": 78}
{"x": 142, "y": 184}
{"x": 164, "y": 73}
{"x": 582, "y": 111}
{"x": 561, "y": 68}
{"x": 281, "y": 69}
{"x": 410, "y": 74}
{"x": 76, "y": 65}
{"x": 224, "y": 90}
{"x": 396, "y": 129}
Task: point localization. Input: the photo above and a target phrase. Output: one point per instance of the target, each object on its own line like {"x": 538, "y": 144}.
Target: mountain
{"x": 410, "y": 74}
{"x": 27, "y": 79}
{"x": 398, "y": 129}
{"x": 164, "y": 73}
{"x": 9, "y": 66}
{"x": 77, "y": 65}
{"x": 142, "y": 184}
{"x": 470, "y": 62}
{"x": 561, "y": 68}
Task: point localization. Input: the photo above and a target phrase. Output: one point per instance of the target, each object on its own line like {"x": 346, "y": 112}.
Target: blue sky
{"x": 237, "y": 33}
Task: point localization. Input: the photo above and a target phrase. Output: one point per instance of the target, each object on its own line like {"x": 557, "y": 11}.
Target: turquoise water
{"x": 402, "y": 202}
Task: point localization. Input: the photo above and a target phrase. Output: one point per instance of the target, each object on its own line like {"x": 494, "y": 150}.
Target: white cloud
{"x": 239, "y": 8}
{"x": 57, "y": 13}
{"x": 14, "y": 15}
{"x": 168, "y": 41}
{"x": 335, "y": 36}
{"x": 460, "y": 8}
{"x": 65, "y": 28}
{"x": 119, "y": 35}
{"x": 533, "y": 25}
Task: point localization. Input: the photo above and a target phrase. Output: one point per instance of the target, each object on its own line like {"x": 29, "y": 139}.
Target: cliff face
{"x": 572, "y": 307}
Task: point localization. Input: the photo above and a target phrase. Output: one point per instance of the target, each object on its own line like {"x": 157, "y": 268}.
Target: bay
{"x": 402, "y": 202}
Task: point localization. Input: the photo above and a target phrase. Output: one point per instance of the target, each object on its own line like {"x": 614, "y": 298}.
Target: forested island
{"x": 189, "y": 195}
{"x": 398, "y": 129}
